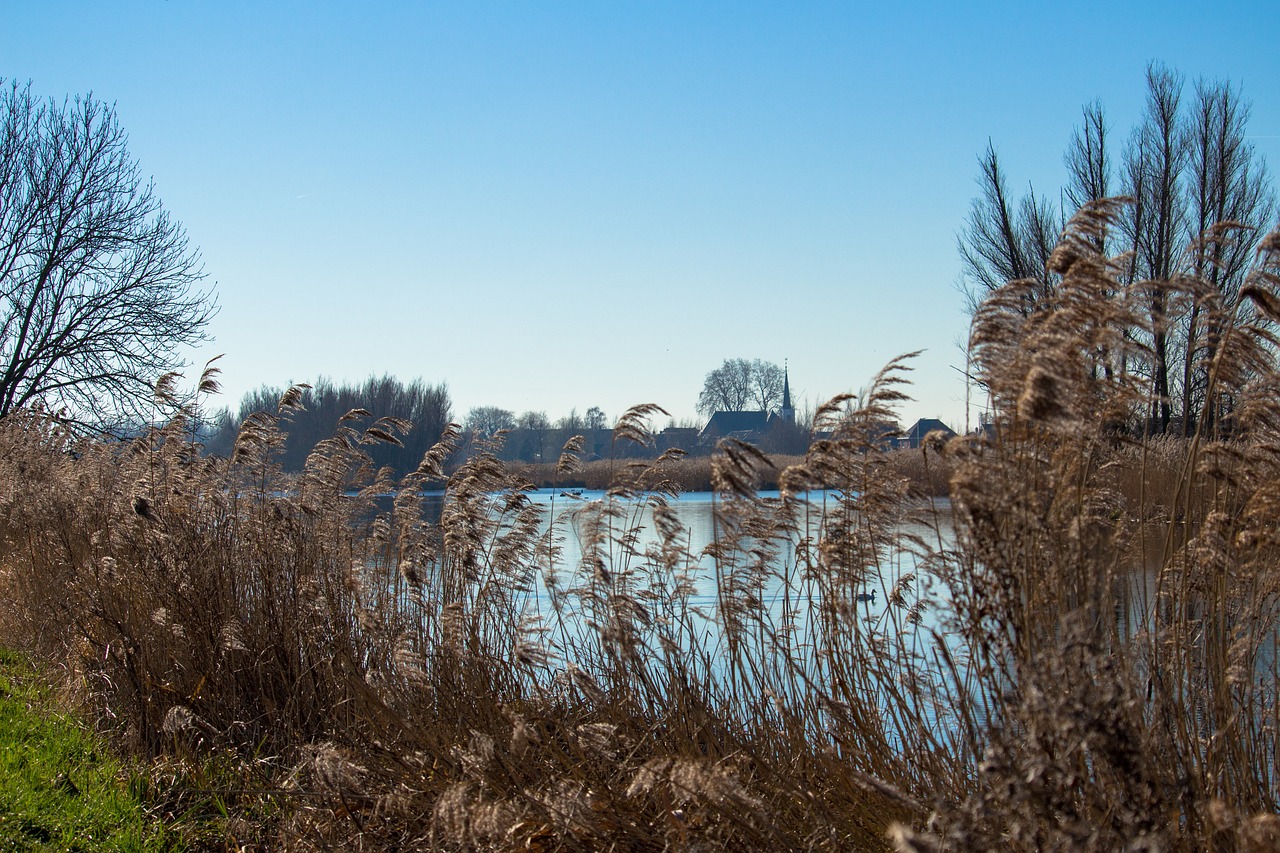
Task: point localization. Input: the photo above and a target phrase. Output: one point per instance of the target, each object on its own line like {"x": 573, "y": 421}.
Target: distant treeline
{"x": 423, "y": 410}
{"x": 419, "y": 413}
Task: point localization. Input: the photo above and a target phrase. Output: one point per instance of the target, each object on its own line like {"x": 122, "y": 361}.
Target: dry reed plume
{"x": 1078, "y": 652}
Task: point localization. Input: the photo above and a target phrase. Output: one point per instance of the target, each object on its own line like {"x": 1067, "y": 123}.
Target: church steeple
{"x": 787, "y": 412}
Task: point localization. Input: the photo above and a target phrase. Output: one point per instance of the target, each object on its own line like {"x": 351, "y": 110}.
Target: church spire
{"x": 788, "y": 413}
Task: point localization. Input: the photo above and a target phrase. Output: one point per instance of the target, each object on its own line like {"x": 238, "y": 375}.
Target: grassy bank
{"x": 61, "y": 789}
{"x": 1078, "y": 657}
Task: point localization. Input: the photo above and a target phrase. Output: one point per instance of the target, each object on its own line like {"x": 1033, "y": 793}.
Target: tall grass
{"x": 685, "y": 473}
{"x": 1077, "y": 651}
{"x": 696, "y": 473}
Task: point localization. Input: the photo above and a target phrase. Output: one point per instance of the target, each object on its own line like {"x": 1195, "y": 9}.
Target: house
{"x": 921, "y": 428}
{"x": 886, "y": 435}
{"x": 740, "y": 425}
{"x": 677, "y": 438}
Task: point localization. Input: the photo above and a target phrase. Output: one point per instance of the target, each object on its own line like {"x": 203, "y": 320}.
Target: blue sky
{"x": 559, "y": 205}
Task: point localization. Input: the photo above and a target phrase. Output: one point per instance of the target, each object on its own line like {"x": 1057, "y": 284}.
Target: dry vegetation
{"x": 925, "y": 478}
{"x": 684, "y": 473}
{"x": 1103, "y": 674}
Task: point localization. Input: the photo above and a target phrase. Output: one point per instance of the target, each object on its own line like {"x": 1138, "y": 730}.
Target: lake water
{"x": 752, "y": 612}
{"x": 570, "y": 518}
{"x": 755, "y": 619}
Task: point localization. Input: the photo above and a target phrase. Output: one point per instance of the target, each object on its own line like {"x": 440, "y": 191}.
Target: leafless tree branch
{"x": 98, "y": 284}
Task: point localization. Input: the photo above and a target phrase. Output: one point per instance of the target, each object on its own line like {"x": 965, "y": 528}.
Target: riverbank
{"x": 925, "y": 477}
{"x": 61, "y": 788}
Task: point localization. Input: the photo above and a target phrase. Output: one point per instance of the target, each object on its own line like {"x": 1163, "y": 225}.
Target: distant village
{"x": 774, "y": 431}
{"x": 420, "y": 413}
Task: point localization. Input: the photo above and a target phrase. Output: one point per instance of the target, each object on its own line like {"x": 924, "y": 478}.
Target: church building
{"x": 750, "y": 426}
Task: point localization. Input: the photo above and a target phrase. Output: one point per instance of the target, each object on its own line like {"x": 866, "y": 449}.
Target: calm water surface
{"x": 784, "y": 591}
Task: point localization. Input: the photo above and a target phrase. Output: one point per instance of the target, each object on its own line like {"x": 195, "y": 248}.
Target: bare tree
{"x": 1199, "y": 197}
{"x": 739, "y": 385}
{"x": 1090, "y": 178}
{"x": 727, "y": 388}
{"x": 1001, "y": 242}
{"x": 97, "y": 283}
{"x": 1153, "y": 165}
{"x": 1228, "y": 197}
{"x": 489, "y": 419}
{"x": 571, "y": 421}
{"x": 1088, "y": 159}
{"x": 595, "y": 418}
{"x": 766, "y": 384}
{"x": 529, "y": 439}
{"x": 533, "y": 420}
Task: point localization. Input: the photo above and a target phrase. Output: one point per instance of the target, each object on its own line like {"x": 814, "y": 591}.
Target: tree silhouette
{"x": 97, "y": 282}
{"x": 1199, "y": 198}
{"x": 741, "y": 385}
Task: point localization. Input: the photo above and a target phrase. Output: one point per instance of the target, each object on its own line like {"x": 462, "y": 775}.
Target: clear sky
{"x": 559, "y": 205}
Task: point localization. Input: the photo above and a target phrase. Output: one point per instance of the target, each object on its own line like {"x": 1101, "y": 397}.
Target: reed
{"x": 1077, "y": 651}
{"x": 685, "y": 473}
{"x": 927, "y": 477}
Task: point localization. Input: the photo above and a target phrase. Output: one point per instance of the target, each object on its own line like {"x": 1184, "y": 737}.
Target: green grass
{"x": 60, "y": 787}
